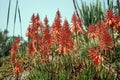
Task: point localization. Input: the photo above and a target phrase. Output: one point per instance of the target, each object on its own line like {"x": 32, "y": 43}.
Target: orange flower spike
{"x": 35, "y": 27}
{"x": 18, "y": 67}
{"x": 15, "y": 46}
{"x": 56, "y": 27}
{"x": 116, "y": 21}
{"x": 17, "y": 40}
{"x": 12, "y": 59}
{"x": 91, "y": 31}
{"x": 18, "y": 63}
{"x": 37, "y": 18}
{"x": 47, "y": 35}
{"x": 66, "y": 27}
{"x": 33, "y": 18}
{"x": 38, "y": 24}
{"x": 31, "y": 49}
{"x": 106, "y": 41}
{"x": 97, "y": 60}
{"x": 46, "y": 31}
{"x": 91, "y": 28}
{"x": 79, "y": 24}
{"x": 100, "y": 29}
{"x": 112, "y": 19}
{"x": 56, "y": 24}
{"x": 92, "y": 53}
{"x": 15, "y": 70}
{"x": 45, "y": 41}
{"x": 29, "y": 32}
{"x": 58, "y": 15}
{"x": 46, "y": 21}
{"x": 74, "y": 18}
{"x": 13, "y": 49}
{"x": 74, "y": 23}
{"x": 65, "y": 38}
{"x": 95, "y": 56}
{"x": 104, "y": 37}
{"x": 109, "y": 14}
{"x": 57, "y": 21}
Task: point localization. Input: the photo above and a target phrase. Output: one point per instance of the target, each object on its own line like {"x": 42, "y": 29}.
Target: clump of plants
{"x": 70, "y": 52}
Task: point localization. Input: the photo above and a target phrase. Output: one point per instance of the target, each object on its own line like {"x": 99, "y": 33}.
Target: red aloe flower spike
{"x": 105, "y": 38}
{"x": 12, "y": 59}
{"x": 33, "y": 18}
{"x": 31, "y": 49}
{"x": 46, "y": 21}
{"x": 18, "y": 67}
{"x": 91, "y": 31}
{"x": 58, "y": 15}
{"x": 37, "y": 18}
{"x": 17, "y": 40}
{"x": 74, "y": 18}
{"x": 15, "y": 46}
{"x": 56, "y": 27}
{"x": 47, "y": 35}
{"x": 38, "y": 24}
{"x": 109, "y": 14}
{"x": 29, "y": 31}
{"x": 112, "y": 20}
{"x": 100, "y": 29}
{"x": 65, "y": 39}
{"x": 45, "y": 43}
{"x": 95, "y": 56}
{"x": 106, "y": 41}
{"x": 79, "y": 24}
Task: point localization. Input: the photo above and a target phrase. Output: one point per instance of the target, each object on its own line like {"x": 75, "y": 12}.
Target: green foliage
{"x": 70, "y": 67}
{"x": 61, "y": 69}
{"x": 5, "y": 67}
{"x": 22, "y": 48}
{"x": 5, "y": 43}
{"x": 92, "y": 13}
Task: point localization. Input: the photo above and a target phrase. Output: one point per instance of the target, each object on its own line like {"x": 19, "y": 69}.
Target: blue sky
{"x": 28, "y": 7}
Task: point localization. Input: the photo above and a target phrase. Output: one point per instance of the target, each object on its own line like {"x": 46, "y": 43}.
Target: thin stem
{"x": 8, "y": 14}
{"x": 118, "y": 5}
{"x": 75, "y": 6}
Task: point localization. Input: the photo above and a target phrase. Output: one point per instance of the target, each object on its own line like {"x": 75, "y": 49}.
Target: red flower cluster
{"x": 105, "y": 38}
{"x": 61, "y": 34}
{"x": 15, "y": 46}
{"x": 91, "y": 31}
{"x": 56, "y": 27}
{"x": 31, "y": 48}
{"x": 45, "y": 41}
{"x": 106, "y": 41}
{"x": 77, "y": 24}
{"x": 95, "y": 56}
{"x": 18, "y": 67}
{"x": 40, "y": 38}
{"x": 35, "y": 26}
{"x": 14, "y": 50}
{"x": 102, "y": 34}
{"x": 65, "y": 38}
{"x": 112, "y": 20}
